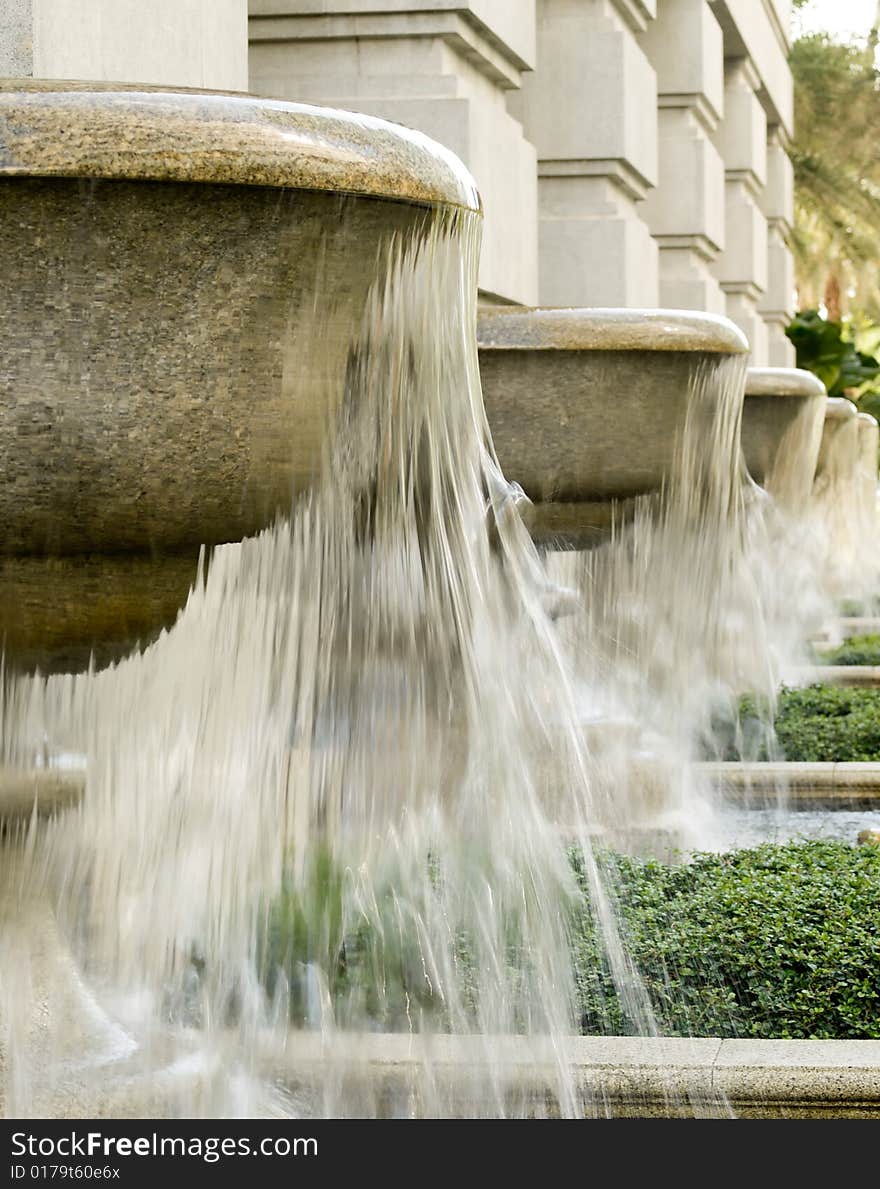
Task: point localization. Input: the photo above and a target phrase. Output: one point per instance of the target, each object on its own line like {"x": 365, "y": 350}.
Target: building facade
{"x": 629, "y": 152}
{"x": 180, "y": 43}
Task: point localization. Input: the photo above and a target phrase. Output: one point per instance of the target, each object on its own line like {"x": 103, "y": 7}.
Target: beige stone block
{"x": 435, "y": 69}
{"x": 589, "y": 94}
{"x": 687, "y": 283}
{"x": 16, "y": 39}
{"x": 744, "y": 259}
{"x": 180, "y": 43}
{"x": 685, "y": 47}
{"x": 778, "y": 301}
{"x": 780, "y": 349}
{"x": 689, "y": 198}
{"x": 511, "y": 23}
{"x": 742, "y": 309}
{"x": 597, "y": 261}
{"x": 777, "y": 198}
{"x": 755, "y": 29}
{"x": 741, "y": 138}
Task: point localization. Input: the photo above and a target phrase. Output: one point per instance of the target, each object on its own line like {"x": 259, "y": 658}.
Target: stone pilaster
{"x": 777, "y": 203}
{"x": 443, "y": 68}
{"x": 176, "y": 43}
{"x": 741, "y": 138}
{"x": 686, "y": 211}
{"x": 589, "y": 109}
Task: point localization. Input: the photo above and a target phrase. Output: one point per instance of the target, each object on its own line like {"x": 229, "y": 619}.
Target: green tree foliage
{"x": 836, "y": 238}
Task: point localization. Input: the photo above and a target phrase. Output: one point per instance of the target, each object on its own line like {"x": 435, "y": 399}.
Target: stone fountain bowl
{"x": 587, "y": 406}
{"x": 869, "y": 446}
{"x": 783, "y": 418}
{"x": 869, "y": 441}
{"x": 841, "y": 420}
{"x": 183, "y": 276}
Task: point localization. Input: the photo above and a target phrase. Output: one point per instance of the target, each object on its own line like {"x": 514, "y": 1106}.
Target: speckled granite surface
{"x": 108, "y": 130}
{"x": 588, "y": 406}
{"x": 177, "y": 317}
{"x": 838, "y": 408}
{"x": 172, "y": 355}
{"x": 546, "y": 329}
{"x": 783, "y": 381}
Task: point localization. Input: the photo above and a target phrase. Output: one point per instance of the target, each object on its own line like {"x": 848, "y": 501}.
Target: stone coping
{"x": 37, "y": 790}
{"x": 839, "y": 408}
{"x": 782, "y": 381}
{"x": 863, "y": 676}
{"x": 758, "y": 1077}
{"x": 44, "y": 791}
{"x": 842, "y": 781}
{"x": 546, "y": 329}
{"x": 128, "y": 132}
{"x": 859, "y": 625}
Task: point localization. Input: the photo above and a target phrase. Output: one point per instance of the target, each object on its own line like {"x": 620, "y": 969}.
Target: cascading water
{"x": 843, "y": 513}
{"x": 708, "y": 592}
{"x": 789, "y": 550}
{"x": 869, "y": 437}
{"x": 321, "y": 805}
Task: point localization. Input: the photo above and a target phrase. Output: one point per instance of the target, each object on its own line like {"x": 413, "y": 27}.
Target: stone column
{"x": 686, "y": 211}
{"x": 444, "y": 67}
{"x": 741, "y": 139}
{"x": 175, "y": 43}
{"x": 777, "y": 203}
{"x": 590, "y": 111}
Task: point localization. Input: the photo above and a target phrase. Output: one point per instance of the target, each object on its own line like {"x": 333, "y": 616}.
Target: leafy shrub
{"x": 778, "y": 941}
{"x": 823, "y": 723}
{"x": 857, "y": 650}
{"x": 320, "y": 941}
{"x": 822, "y": 347}
{"x": 853, "y": 608}
{"x": 742, "y": 730}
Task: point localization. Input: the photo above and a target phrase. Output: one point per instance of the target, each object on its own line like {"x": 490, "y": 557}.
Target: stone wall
{"x": 445, "y": 67}
{"x": 686, "y": 210}
{"x": 184, "y": 43}
{"x": 584, "y": 110}
{"x": 629, "y": 152}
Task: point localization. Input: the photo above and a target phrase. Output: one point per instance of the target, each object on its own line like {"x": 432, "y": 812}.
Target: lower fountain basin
{"x": 44, "y": 791}
{"x": 656, "y": 1076}
{"x": 869, "y": 445}
{"x": 839, "y": 505}
{"x": 185, "y": 276}
{"x": 838, "y": 427}
{"x": 869, "y": 438}
{"x": 588, "y": 407}
{"x": 783, "y": 418}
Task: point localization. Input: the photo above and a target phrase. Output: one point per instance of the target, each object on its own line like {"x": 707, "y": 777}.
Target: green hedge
{"x": 817, "y": 724}
{"x": 857, "y": 650}
{"x": 779, "y": 941}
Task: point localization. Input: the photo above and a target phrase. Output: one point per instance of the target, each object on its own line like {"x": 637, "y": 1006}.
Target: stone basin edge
{"x": 125, "y": 132}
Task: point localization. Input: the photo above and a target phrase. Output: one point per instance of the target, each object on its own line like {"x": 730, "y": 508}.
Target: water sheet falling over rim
{"x": 322, "y": 800}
